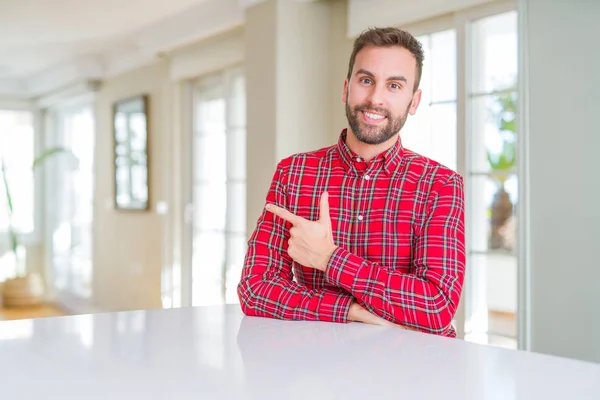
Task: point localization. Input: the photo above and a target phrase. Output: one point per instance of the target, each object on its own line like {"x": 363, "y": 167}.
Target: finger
{"x": 324, "y": 212}
{"x": 285, "y": 214}
{"x": 291, "y": 249}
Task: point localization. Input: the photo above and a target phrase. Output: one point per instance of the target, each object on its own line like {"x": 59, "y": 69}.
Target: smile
{"x": 372, "y": 117}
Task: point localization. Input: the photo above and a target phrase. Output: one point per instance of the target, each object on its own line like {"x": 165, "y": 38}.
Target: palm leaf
{"x": 11, "y": 232}
{"x": 14, "y": 240}
{"x": 48, "y": 153}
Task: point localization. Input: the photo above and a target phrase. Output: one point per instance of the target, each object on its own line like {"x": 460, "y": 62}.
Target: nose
{"x": 376, "y": 95}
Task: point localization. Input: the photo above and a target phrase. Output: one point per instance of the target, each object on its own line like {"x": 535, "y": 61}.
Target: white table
{"x": 217, "y": 353}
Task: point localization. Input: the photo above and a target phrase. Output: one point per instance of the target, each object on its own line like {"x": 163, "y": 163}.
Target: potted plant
{"x": 503, "y": 163}
{"x": 26, "y": 288}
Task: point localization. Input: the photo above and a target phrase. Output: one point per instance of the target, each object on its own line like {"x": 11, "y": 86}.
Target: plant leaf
{"x": 49, "y": 153}
{"x": 11, "y": 232}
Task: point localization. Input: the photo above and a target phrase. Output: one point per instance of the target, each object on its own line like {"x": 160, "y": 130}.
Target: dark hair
{"x": 389, "y": 37}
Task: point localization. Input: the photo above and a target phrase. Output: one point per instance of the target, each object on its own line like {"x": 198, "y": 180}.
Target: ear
{"x": 345, "y": 92}
{"x": 415, "y": 102}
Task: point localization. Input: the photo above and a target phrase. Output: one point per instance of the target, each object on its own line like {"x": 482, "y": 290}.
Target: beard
{"x": 374, "y": 134}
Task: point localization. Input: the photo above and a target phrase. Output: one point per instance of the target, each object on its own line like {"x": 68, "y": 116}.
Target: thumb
{"x": 324, "y": 210}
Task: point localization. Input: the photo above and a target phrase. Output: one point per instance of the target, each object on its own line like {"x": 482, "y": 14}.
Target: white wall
{"x": 128, "y": 246}
{"x": 294, "y": 85}
{"x": 564, "y": 179}
{"x": 340, "y": 49}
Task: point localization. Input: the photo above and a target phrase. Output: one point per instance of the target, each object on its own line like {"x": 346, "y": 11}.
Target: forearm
{"x": 267, "y": 289}
{"x": 424, "y": 302}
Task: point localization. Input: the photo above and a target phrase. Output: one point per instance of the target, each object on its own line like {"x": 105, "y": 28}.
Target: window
{"x": 431, "y": 132}
{"x": 70, "y": 217}
{"x": 16, "y": 160}
{"x": 493, "y": 180}
{"x": 467, "y": 121}
{"x": 219, "y": 187}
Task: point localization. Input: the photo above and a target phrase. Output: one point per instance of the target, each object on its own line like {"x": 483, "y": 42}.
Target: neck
{"x": 368, "y": 151}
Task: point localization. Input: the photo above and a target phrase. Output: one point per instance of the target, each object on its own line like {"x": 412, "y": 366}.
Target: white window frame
{"x": 49, "y": 117}
{"x": 34, "y": 238}
{"x": 460, "y": 22}
{"x": 187, "y": 65}
{"x": 188, "y": 163}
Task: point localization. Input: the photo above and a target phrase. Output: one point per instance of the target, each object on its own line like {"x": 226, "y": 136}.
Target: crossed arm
{"x": 425, "y": 299}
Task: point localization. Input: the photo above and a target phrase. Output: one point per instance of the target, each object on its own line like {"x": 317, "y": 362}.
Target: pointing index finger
{"x": 284, "y": 214}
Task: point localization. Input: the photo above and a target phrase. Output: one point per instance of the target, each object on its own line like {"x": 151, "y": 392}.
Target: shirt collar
{"x": 388, "y": 159}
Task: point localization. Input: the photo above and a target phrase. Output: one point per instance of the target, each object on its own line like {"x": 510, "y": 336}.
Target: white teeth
{"x": 374, "y": 116}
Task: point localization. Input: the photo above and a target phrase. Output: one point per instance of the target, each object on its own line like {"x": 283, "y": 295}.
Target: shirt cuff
{"x": 334, "y": 306}
{"x": 342, "y": 269}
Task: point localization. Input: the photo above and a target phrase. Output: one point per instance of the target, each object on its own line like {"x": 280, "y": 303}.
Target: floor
{"x": 30, "y": 312}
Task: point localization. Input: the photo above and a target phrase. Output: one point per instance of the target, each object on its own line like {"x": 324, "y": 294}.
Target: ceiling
{"x": 40, "y": 39}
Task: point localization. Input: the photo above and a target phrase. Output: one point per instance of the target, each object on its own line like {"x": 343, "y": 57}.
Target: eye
{"x": 395, "y": 86}
{"x": 367, "y": 81}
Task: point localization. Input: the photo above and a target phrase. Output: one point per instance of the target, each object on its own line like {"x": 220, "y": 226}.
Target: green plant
{"x": 504, "y": 113}
{"x": 502, "y": 162}
{"x": 37, "y": 162}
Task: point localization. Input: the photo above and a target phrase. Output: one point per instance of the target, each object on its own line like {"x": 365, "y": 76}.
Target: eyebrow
{"x": 391, "y": 78}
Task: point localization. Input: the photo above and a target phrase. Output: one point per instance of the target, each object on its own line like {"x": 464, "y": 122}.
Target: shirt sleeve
{"x": 426, "y": 298}
{"x": 266, "y": 288}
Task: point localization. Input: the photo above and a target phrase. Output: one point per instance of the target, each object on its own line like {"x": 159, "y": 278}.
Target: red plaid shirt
{"x": 398, "y": 221}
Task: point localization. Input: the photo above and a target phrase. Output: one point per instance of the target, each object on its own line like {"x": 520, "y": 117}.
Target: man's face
{"x": 379, "y": 95}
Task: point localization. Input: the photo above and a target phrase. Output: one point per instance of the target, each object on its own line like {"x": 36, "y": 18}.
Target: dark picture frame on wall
{"x": 131, "y": 142}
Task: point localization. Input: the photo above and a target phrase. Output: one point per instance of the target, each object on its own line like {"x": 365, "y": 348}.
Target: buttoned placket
{"x": 364, "y": 175}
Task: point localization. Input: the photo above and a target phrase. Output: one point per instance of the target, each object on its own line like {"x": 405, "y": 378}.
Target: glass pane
{"x": 495, "y": 52}
{"x": 236, "y": 154}
{"x": 431, "y": 132}
{"x": 210, "y": 117}
{"x": 443, "y": 134}
{"x": 208, "y": 264}
{"x": 140, "y": 185}
{"x": 121, "y": 127}
{"x": 494, "y": 280}
{"x": 493, "y": 208}
{"x": 426, "y": 78}
{"x": 74, "y": 195}
{"x": 236, "y": 251}
{"x": 416, "y": 134}
{"x": 236, "y": 208}
{"x": 443, "y": 66}
{"x": 210, "y": 203}
{"x": 17, "y": 154}
{"x": 21, "y": 186}
{"x": 210, "y": 158}
{"x": 237, "y": 104}
{"x": 494, "y": 127}
{"x": 138, "y": 132}
{"x": 219, "y": 187}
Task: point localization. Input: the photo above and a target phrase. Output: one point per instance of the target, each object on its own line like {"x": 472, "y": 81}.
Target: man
{"x": 371, "y": 231}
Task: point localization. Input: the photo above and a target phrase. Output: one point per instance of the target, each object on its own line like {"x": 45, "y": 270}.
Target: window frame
{"x": 460, "y": 21}
{"x": 35, "y": 237}
{"x": 51, "y": 120}
{"x": 177, "y": 280}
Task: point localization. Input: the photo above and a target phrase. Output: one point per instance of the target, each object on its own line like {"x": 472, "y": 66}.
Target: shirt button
{"x": 367, "y": 177}
{"x": 358, "y": 159}
{"x": 360, "y": 217}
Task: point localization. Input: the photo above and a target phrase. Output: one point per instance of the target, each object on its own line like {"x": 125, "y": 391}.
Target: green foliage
{"x": 37, "y": 162}
{"x": 504, "y": 114}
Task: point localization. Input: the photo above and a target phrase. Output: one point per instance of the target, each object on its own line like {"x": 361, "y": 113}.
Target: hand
{"x": 358, "y": 313}
{"x": 311, "y": 242}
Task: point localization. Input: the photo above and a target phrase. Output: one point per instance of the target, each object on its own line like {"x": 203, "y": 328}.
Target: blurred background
{"x": 138, "y": 140}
